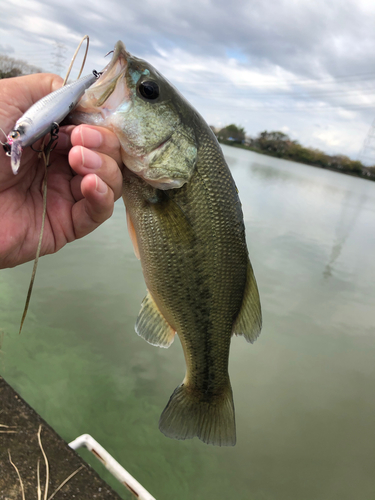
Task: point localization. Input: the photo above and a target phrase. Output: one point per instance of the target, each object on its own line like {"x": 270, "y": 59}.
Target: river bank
{"x": 20, "y": 452}
{"x": 358, "y": 170}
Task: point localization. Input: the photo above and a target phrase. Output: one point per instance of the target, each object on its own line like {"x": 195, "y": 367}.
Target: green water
{"x": 304, "y": 392}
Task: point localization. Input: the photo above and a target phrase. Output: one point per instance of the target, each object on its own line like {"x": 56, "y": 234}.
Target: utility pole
{"x": 367, "y": 153}
{"x": 59, "y": 58}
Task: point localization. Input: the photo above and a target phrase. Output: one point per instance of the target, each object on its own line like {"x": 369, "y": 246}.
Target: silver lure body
{"x": 38, "y": 120}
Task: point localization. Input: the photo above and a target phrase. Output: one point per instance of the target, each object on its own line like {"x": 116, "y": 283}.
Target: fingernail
{"x": 90, "y": 137}
{"x": 90, "y": 159}
{"x": 101, "y": 186}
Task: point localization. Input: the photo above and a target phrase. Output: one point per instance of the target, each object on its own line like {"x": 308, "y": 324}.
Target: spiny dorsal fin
{"x": 152, "y": 326}
{"x": 249, "y": 320}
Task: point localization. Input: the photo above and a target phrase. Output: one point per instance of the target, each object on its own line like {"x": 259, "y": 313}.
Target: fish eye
{"x": 149, "y": 89}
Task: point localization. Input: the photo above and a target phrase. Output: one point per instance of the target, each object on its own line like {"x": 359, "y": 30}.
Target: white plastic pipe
{"x": 112, "y": 465}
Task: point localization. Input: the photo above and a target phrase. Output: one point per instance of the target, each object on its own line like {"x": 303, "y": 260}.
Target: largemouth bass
{"x": 185, "y": 220}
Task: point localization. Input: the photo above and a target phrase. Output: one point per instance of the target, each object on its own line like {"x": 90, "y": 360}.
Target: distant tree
{"x": 232, "y": 132}
{"x": 10, "y": 67}
{"x": 319, "y": 158}
{"x": 342, "y": 162}
{"x": 277, "y": 143}
{"x": 274, "y": 142}
{"x": 299, "y": 153}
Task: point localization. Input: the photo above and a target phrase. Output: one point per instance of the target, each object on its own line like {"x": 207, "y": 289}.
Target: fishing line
{"x": 45, "y": 154}
{"x": 6, "y": 145}
{"x": 86, "y": 37}
{"x": 6, "y": 137}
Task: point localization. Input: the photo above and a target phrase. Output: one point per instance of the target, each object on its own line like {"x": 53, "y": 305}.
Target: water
{"x": 304, "y": 392}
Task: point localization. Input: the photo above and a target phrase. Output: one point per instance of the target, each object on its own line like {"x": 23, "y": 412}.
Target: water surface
{"x": 304, "y": 392}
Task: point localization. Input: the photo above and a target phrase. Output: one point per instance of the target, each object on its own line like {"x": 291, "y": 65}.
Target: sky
{"x": 304, "y": 67}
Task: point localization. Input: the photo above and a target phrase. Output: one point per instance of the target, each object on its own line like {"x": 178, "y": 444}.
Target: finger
{"x": 95, "y": 208}
{"x": 17, "y": 96}
{"x": 63, "y": 139}
{"x": 85, "y": 161}
{"x": 75, "y": 187}
{"x": 24, "y": 91}
{"x": 40, "y": 86}
{"x": 99, "y": 139}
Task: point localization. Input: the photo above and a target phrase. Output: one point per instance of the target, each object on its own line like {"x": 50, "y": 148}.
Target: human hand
{"x": 84, "y": 179}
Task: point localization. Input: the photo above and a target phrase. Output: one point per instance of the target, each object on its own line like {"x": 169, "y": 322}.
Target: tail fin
{"x": 185, "y": 417}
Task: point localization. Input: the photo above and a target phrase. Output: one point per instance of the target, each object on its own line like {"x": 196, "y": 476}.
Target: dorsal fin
{"x": 249, "y": 320}
{"x": 152, "y": 326}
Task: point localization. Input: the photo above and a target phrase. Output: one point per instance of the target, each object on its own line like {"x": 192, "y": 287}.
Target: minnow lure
{"x": 43, "y": 117}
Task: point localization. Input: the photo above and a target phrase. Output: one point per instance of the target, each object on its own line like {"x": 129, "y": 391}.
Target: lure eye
{"x": 149, "y": 90}
{"x": 14, "y": 134}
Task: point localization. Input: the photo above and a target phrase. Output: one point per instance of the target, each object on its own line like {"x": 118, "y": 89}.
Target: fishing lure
{"x": 44, "y": 117}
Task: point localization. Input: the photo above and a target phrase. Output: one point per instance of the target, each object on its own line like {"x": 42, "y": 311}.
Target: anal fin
{"x": 249, "y": 320}
{"x": 152, "y": 326}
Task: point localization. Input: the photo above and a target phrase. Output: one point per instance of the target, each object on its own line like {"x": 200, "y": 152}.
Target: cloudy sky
{"x": 306, "y": 67}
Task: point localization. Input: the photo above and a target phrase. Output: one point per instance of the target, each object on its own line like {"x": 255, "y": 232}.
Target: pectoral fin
{"x": 152, "y": 326}
{"x": 249, "y": 320}
{"x": 180, "y": 231}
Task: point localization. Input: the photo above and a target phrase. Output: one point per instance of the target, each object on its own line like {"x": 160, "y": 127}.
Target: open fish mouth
{"x": 110, "y": 90}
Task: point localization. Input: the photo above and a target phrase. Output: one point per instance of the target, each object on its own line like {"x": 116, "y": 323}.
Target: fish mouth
{"x": 110, "y": 90}
{"x": 119, "y": 53}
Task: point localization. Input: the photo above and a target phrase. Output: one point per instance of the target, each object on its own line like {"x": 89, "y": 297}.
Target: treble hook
{"x": 54, "y": 136}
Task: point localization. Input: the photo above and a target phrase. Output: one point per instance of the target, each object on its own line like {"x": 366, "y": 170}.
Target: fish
{"x": 185, "y": 220}
{"x": 44, "y": 117}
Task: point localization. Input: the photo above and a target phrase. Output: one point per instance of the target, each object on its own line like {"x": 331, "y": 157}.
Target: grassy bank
{"x": 279, "y": 145}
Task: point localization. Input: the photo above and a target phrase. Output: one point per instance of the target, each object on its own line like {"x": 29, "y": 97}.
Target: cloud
{"x": 297, "y": 65}
{"x": 7, "y": 50}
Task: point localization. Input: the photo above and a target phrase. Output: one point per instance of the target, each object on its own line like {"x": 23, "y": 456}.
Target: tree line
{"x": 10, "y": 67}
{"x": 273, "y": 143}
{"x": 278, "y": 144}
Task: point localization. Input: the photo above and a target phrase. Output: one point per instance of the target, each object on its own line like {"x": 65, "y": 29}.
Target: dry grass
{"x": 39, "y": 490}
{"x": 19, "y": 476}
{"x": 7, "y": 427}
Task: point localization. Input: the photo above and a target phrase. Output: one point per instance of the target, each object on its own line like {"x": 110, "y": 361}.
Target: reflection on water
{"x": 303, "y": 392}
{"x": 350, "y": 211}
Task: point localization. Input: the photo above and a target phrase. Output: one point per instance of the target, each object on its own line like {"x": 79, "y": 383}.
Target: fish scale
{"x": 200, "y": 279}
{"x": 185, "y": 220}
